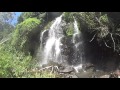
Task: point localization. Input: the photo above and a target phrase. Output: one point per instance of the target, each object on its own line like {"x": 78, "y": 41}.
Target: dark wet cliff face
{"x": 115, "y": 17}
{"x": 53, "y": 15}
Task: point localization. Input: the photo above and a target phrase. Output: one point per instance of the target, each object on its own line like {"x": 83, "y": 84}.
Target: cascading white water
{"x": 57, "y": 49}
{"x": 76, "y": 31}
{"x": 78, "y": 49}
{"x": 52, "y": 50}
{"x": 40, "y": 49}
{"x": 41, "y": 39}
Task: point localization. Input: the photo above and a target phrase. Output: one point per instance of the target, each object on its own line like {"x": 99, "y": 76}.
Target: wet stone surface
{"x": 88, "y": 71}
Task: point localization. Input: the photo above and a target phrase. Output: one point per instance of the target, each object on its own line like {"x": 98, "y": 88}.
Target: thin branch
{"x": 1, "y": 42}
{"x": 113, "y": 40}
{"x": 93, "y": 38}
{"x": 106, "y": 44}
{"x": 42, "y": 69}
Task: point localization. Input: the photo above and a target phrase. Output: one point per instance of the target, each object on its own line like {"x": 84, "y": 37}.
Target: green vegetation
{"x": 15, "y": 64}
{"x": 15, "y": 58}
{"x": 12, "y": 62}
{"x": 70, "y": 30}
{"x": 23, "y": 33}
{"x": 26, "y": 15}
{"x": 17, "y": 54}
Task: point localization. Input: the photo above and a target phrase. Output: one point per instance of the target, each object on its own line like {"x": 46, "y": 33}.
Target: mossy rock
{"x": 25, "y": 34}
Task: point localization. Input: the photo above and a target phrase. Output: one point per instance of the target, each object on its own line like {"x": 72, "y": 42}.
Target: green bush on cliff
{"x": 68, "y": 17}
{"x": 23, "y": 33}
{"x": 94, "y": 22}
{"x": 15, "y": 64}
{"x": 104, "y": 19}
{"x": 70, "y": 30}
{"x": 88, "y": 18}
{"x": 26, "y": 15}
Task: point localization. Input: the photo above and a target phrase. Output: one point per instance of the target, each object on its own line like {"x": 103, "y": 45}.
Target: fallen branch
{"x": 45, "y": 68}
{"x": 113, "y": 40}
{"x": 39, "y": 70}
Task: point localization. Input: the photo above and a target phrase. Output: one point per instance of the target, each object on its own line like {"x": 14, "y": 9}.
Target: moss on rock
{"x": 70, "y": 30}
{"x": 25, "y": 34}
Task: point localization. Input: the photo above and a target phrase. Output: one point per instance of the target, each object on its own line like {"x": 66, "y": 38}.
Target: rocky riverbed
{"x": 87, "y": 71}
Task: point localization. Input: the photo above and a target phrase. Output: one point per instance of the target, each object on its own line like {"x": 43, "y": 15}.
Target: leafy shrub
{"x": 26, "y": 15}
{"x": 17, "y": 65}
{"x": 70, "y": 30}
{"x": 12, "y": 62}
{"x": 68, "y": 17}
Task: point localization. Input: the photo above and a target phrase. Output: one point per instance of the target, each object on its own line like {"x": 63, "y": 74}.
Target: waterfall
{"x": 41, "y": 39}
{"x": 78, "y": 47}
{"x": 51, "y": 51}
{"x": 76, "y": 31}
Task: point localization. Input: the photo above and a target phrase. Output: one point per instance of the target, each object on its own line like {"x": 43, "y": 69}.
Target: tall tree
{"x": 5, "y": 23}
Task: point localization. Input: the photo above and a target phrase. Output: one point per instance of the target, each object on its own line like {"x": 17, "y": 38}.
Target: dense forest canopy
{"x": 19, "y": 44}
